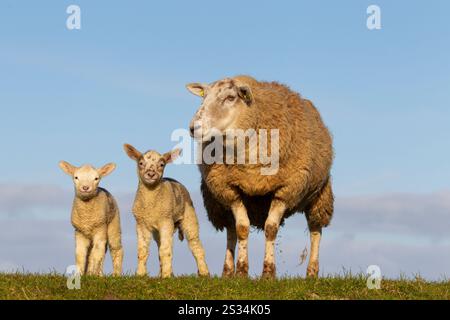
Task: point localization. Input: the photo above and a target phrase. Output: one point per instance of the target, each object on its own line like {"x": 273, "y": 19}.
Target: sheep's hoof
{"x": 269, "y": 271}
{"x": 204, "y": 274}
{"x": 227, "y": 272}
{"x": 242, "y": 269}
{"x": 313, "y": 270}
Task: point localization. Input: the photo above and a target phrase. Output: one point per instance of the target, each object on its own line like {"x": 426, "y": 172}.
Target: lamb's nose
{"x": 85, "y": 188}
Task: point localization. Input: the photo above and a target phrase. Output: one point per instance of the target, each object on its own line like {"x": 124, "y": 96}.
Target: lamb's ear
{"x": 171, "y": 156}
{"x": 132, "y": 152}
{"x": 198, "y": 89}
{"x": 67, "y": 167}
{"x": 106, "y": 169}
{"x": 245, "y": 93}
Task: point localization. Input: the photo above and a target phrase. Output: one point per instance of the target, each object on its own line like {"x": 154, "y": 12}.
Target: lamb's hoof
{"x": 269, "y": 271}
{"x": 141, "y": 273}
{"x": 166, "y": 275}
{"x": 242, "y": 269}
{"x": 313, "y": 270}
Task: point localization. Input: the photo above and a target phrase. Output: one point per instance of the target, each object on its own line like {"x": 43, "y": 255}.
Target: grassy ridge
{"x": 53, "y": 286}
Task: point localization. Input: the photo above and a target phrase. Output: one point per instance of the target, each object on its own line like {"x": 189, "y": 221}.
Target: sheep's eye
{"x": 231, "y": 98}
{"x": 76, "y": 178}
{"x": 141, "y": 163}
{"x": 96, "y": 179}
{"x": 161, "y": 164}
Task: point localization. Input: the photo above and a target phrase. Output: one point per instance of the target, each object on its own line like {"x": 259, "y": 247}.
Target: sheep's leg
{"x": 271, "y": 227}
{"x": 115, "y": 244}
{"x": 318, "y": 215}
{"x": 313, "y": 265}
{"x": 82, "y": 245}
{"x": 242, "y": 230}
{"x": 165, "y": 250}
{"x": 190, "y": 228}
{"x": 98, "y": 251}
{"x": 144, "y": 236}
{"x": 228, "y": 266}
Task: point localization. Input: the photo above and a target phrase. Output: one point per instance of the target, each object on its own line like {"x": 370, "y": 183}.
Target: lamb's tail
{"x": 180, "y": 231}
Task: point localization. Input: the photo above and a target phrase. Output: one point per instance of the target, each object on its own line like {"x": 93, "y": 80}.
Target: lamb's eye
{"x": 231, "y": 98}
{"x": 161, "y": 164}
{"x": 96, "y": 179}
{"x": 76, "y": 178}
{"x": 141, "y": 163}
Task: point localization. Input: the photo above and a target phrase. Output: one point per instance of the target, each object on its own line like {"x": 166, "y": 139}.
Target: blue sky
{"x": 79, "y": 95}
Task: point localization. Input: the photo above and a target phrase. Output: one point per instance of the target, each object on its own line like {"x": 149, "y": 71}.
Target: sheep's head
{"x": 86, "y": 178}
{"x": 223, "y": 102}
{"x": 151, "y": 165}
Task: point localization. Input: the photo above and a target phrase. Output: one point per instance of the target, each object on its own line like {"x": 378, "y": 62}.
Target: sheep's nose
{"x": 194, "y": 128}
{"x": 85, "y": 188}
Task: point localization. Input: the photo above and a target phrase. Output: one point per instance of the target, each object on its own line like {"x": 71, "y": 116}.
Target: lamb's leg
{"x": 82, "y": 245}
{"x": 144, "y": 236}
{"x": 228, "y": 266}
{"x": 157, "y": 238}
{"x": 318, "y": 215}
{"x": 190, "y": 228}
{"x": 271, "y": 227}
{"x": 165, "y": 249}
{"x": 242, "y": 230}
{"x": 115, "y": 244}
{"x": 98, "y": 251}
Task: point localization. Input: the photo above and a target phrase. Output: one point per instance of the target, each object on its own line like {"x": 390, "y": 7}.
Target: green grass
{"x": 53, "y": 286}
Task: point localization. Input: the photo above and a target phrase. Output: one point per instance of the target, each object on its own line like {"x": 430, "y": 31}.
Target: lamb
{"x": 238, "y": 196}
{"x": 96, "y": 219}
{"x": 161, "y": 206}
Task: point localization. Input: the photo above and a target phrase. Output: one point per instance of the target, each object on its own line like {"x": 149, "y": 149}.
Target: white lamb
{"x": 95, "y": 217}
{"x": 161, "y": 206}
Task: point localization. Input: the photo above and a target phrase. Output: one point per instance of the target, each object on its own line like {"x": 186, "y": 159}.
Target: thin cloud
{"x": 426, "y": 215}
{"x": 365, "y": 231}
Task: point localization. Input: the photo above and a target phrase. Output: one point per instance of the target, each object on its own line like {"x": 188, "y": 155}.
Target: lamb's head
{"x": 151, "y": 165}
{"x": 223, "y": 102}
{"x": 86, "y": 178}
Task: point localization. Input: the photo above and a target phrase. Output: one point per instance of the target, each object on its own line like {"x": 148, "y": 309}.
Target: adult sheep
{"x": 238, "y": 196}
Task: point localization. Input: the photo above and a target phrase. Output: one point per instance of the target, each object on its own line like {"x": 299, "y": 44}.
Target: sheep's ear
{"x": 67, "y": 167}
{"x": 198, "y": 89}
{"x": 245, "y": 93}
{"x": 171, "y": 156}
{"x": 106, "y": 169}
{"x": 132, "y": 152}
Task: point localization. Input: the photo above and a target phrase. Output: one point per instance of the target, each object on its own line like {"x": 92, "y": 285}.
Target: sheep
{"x": 161, "y": 206}
{"x": 96, "y": 219}
{"x": 239, "y": 196}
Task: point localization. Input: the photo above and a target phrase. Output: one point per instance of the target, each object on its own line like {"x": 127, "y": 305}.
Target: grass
{"x": 54, "y": 286}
